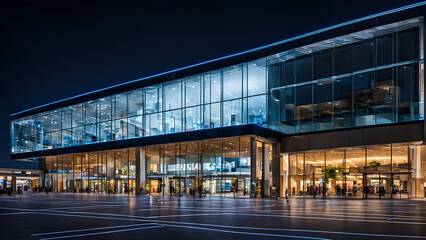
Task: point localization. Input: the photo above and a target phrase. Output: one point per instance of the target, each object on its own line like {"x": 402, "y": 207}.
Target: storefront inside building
{"x": 393, "y": 171}
{"x": 234, "y": 167}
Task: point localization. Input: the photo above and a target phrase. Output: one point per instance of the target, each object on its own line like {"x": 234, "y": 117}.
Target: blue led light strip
{"x": 240, "y": 53}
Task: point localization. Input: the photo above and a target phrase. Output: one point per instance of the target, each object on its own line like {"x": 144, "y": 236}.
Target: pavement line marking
{"x": 16, "y": 213}
{"x": 89, "y": 229}
{"x": 187, "y": 215}
{"x": 100, "y": 233}
{"x": 247, "y": 233}
{"x": 237, "y": 227}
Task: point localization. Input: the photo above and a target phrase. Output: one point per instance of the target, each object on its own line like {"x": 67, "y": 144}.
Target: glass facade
{"x": 370, "y": 77}
{"x": 211, "y": 167}
{"x": 216, "y": 167}
{"x": 382, "y": 171}
{"x": 111, "y": 171}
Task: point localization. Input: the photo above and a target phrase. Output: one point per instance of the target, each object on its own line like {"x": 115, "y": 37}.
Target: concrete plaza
{"x": 97, "y": 216}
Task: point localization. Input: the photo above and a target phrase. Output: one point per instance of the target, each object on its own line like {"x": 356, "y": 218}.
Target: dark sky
{"x": 51, "y": 50}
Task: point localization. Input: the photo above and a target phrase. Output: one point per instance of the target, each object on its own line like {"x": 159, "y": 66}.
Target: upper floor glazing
{"x": 365, "y": 78}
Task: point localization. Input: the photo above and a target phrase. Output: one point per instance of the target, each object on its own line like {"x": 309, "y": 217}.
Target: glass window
{"x": 408, "y": 45}
{"x": 408, "y": 92}
{"x": 173, "y": 121}
{"x": 153, "y": 124}
{"x": 323, "y": 107}
{"x": 303, "y": 69}
{"x": 135, "y": 127}
{"x": 193, "y": 91}
{"x": 193, "y": 118}
{"x": 90, "y": 134}
{"x": 56, "y": 139}
{"x": 232, "y": 113}
{"x": 105, "y": 131}
{"x": 385, "y": 50}
{"x": 323, "y": 64}
{"x": 256, "y": 77}
{"x": 66, "y": 138}
{"x": 55, "y": 118}
{"x": 91, "y": 112}
{"x": 385, "y": 96}
{"x": 342, "y": 104}
{"x": 105, "y": 109}
{"x": 153, "y": 161}
{"x": 232, "y": 83}
{"x": 119, "y": 129}
{"x": 287, "y": 75}
{"x": 172, "y": 95}
{"x": 153, "y": 99}
{"x": 364, "y": 107}
{"x": 364, "y": 55}
{"x": 215, "y": 115}
{"x": 77, "y": 136}
{"x": 215, "y": 87}
{"x": 120, "y": 101}
{"x": 134, "y": 99}
{"x": 304, "y": 108}
{"x": 45, "y": 121}
{"x": 343, "y": 60}
{"x": 132, "y": 164}
{"x": 66, "y": 117}
{"x": 257, "y": 110}
{"x": 288, "y": 110}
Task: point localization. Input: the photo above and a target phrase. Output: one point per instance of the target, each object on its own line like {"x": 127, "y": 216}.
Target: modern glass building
{"x": 337, "y": 112}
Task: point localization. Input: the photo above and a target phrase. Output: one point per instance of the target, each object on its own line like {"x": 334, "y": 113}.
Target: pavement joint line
{"x": 239, "y": 227}
{"x": 100, "y": 233}
{"x": 292, "y": 212}
{"x": 248, "y": 233}
{"x": 90, "y": 229}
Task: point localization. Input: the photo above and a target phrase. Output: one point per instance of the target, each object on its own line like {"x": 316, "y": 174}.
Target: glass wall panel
{"x": 256, "y": 77}
{"x": 303, "y": 69}
{"x": 364, "y": 99}
{"x": 153, "y": 99}
{"x": 304, "y": 108}
{"x": 288, "y": 110}
{"x": 408, "y": 92}
{"x": 342, "y": 104}
{"x": 172, "y": 95}
{"x": 334, "y": 173}
{"x": 105, "y": 131}
{"x": 154, "y": 125}
{"x": 314, "y": 173}
{"x": 193, "y": 91}
{"x": 232, "y": 83}
{"x": 134, "y": 99}
{"x": 173, "y": 121}
{"x": 232, "y": 113}
{"x": 119, "y": 129}
{"x": 379, "y": 178}
{"x": 105, "y": 109}
{"x": 322, "y": 106}
{"x": 408, "y": 45}
{"x": 257, "y": 110}
{"x": 323, "y": 64}
{"x": 193, "y": 119}
{"x": 135, "y": 127}
{"x": 121, "y": 170}
{"x": 343, "y": 59}
{"x": 364, "y": 55}
{"x": 90, "y": 110}
{"x": 354, "y": 171}
{"x": 385, "y": 96}
{"x": 385, "y": 50}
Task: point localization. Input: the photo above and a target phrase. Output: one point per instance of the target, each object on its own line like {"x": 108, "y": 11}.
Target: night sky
{"x": 51, "y": 50}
